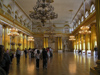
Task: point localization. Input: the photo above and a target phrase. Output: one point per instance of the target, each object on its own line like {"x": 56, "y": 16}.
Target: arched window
{"x": 79, "y": 22}
{"x": 76, "y": 25}
{"x": 86, "y": 14}
{"x": 92, "y": 8}
{"x": 82, "y": 18}
{"x": 9, "y": 11}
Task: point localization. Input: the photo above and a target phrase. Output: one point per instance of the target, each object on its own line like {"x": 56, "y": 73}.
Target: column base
{"x": 88, "y": 52}
{"x": 83, "y": 51}
{"x": 60, "y": 51}
{"x": 95, "y": 70}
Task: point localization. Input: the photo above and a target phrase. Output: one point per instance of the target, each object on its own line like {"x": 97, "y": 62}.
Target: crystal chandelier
{"x": 72, "y": 38}
{"x": 84, "y": 30}
{"x": 13, "y": 31}
{"x": 30, "y": 38}
{"x": 43, "y": 11}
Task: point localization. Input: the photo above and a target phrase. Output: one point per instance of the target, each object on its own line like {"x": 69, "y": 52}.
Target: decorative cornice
{"x": 86, "y": 22}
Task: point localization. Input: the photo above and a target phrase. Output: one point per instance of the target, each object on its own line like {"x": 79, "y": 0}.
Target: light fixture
{"x": 13, "y": 31}
{"x": 43, "y": 11}
{"x": 72, "y": 38}
{"x": 30, "y": 38}
{"x": 84, "y": 30}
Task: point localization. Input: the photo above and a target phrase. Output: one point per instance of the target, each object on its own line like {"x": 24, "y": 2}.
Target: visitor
{"x": 29, "y": 51}
{"x": 5, "y": 63}
{"x": 37, "y": 59}
{"x": 18, "y": 53}
{"x": 7, "y": 51}
{"x": 51, "y": 52}
{"x": 25, "y": 51}
{"x": 2, "y": 72}
{"x": 11, "y": 55}
{"x": 45, "y": 56}
{"x": 96, "y": 51}
{"x": 48, "y": 52}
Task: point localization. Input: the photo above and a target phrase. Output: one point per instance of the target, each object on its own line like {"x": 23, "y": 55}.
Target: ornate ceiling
{"x": 62, "y": 7}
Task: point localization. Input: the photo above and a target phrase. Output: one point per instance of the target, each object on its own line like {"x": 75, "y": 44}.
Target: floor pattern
{"x": 67, "y": 63}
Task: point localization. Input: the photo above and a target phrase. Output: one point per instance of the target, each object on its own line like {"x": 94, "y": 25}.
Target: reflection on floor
{"x": 61, "y": 64}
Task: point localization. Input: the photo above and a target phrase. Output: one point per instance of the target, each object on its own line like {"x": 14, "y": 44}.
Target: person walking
{"x": 5, "y": 63}
{"x": 2, "y": 71}
{"x": 25, "y": 51}
{"x": 18, "y": 53}
{"x": 37, "y": 59}
{"x": 11, "y": 55}
{"x": 45, "y": 56}
{"x": 29, "y": 51}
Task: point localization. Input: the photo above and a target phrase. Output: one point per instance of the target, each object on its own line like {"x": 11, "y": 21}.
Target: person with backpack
{"x": 18, "y": 53}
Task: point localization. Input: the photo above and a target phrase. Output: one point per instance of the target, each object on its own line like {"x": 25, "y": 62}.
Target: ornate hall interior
{"x": 70, "y": 27}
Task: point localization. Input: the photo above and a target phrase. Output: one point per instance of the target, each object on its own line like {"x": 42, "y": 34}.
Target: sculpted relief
{"x": 67, "y": 45}
{"x": 38, "y": 43}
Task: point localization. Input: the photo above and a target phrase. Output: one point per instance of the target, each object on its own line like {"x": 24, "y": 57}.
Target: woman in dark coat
{"x": 2, "y": 72}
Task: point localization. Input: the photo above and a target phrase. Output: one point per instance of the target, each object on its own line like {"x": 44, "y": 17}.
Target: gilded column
{"x": 24, "y": 42}
{"x": 96, "y": 70}
{"x": 44, "y": 42}
{"x": 59, "y": 44}
{"x": 3, "y": 35}
{"x": 93, "y": 36}
{"x": 21, "y": 40}
{"x": 78, "y": 41}
{"x": 6, "y": 38}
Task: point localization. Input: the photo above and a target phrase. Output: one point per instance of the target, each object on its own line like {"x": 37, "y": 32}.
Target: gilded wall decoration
{"x": 67, "y": 45}
{"x": 38, "y": 43}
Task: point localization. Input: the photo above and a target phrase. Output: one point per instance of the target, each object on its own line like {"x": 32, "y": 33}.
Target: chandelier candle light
{"x": 13, "y": 31}
{"x": 84, "y": 30}
{"x": 30, "y": 38}
{"x": 72, "y": 38}
{"x": 43, "y": 11}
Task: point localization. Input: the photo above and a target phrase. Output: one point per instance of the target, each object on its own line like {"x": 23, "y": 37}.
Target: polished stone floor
{"x": 67, "y": 63}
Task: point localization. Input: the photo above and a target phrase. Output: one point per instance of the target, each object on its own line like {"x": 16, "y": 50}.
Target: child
{"x": 37, "y": 59}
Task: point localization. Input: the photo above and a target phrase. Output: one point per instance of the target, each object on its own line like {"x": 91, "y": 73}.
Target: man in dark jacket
{"x": 44, "y": 54}
{"x": 2, "y": 72}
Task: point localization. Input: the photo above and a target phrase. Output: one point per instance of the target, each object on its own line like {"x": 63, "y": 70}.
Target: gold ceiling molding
{"x": 17, "y": 24}
{"x": 5, "y": 6}
{"x": 77, "y": 12}
{"x": 9, "y": 6}
{"x": 22, "y": 10}
{"x": 66, "y": 25}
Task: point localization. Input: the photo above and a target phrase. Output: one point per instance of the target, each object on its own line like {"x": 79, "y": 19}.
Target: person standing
{"x": 18, "y": 53}
{"x": 96, "y": 51}
{"x": 5, "y": 63}
{"x": 45, "y": 56}
{"x": 11, "y": 55}
{"x": 25, "y": 51}
{"x": 2, "y": 71}
{"x": 29, "y": 51}
{"x": 37, "y": 59}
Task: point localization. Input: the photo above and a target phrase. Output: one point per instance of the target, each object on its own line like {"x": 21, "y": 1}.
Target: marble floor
{"x": 67, "y": 63}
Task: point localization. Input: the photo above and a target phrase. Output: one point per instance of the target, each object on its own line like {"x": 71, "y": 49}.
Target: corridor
{"x": 67, "y": 63}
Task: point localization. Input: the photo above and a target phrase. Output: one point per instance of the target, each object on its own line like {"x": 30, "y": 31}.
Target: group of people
{"x": 39, "y": 54}
{"x": 6, "y": 57}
